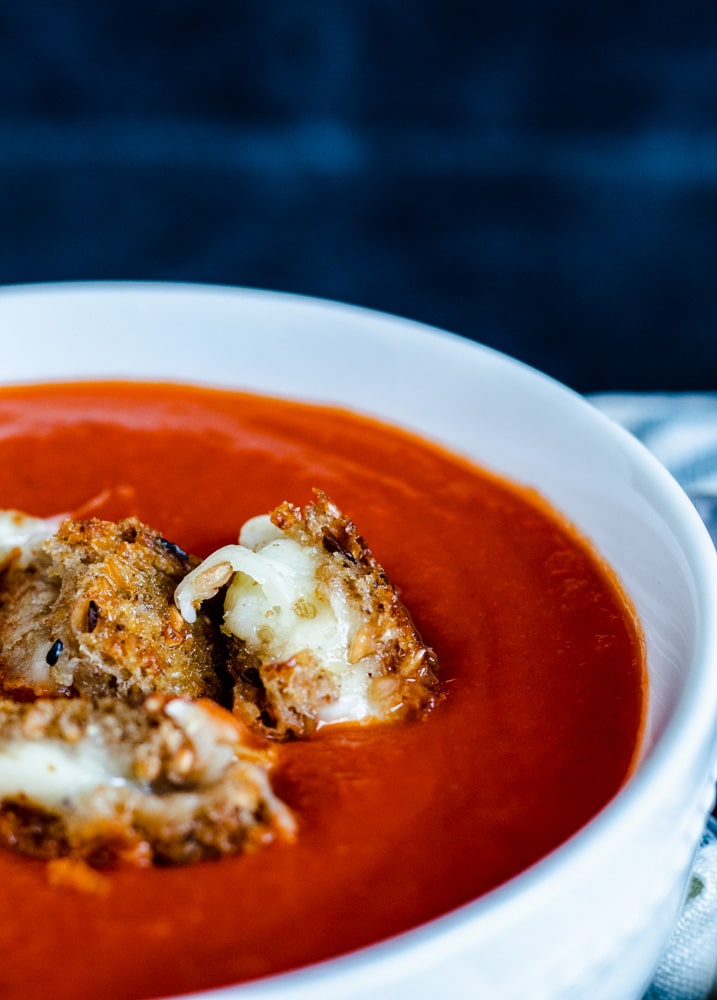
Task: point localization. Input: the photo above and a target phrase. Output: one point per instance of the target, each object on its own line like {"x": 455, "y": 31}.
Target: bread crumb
{"x": 73, "y": 873}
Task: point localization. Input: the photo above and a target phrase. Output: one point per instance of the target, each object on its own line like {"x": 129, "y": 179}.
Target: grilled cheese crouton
{"x": 316, "y": 630}
{"x": 169, "y": 780}
{"x": 89, "y": 610}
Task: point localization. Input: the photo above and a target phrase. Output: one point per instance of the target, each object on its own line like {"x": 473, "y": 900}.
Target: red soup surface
{"x": 540, "y": 660}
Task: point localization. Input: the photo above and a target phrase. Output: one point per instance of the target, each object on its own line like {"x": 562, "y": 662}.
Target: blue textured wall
{"x": 538, "y": 176}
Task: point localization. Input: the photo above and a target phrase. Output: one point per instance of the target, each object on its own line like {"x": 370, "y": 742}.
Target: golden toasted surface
{"x": 90, "y": 611}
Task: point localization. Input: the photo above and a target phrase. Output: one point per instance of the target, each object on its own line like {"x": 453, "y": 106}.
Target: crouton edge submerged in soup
{"x": 535, "y": 725}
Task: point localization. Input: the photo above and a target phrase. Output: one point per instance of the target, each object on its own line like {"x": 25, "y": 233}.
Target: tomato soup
{"x": 541, "y": 665}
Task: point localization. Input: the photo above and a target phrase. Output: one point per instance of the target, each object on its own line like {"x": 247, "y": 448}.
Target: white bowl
{"x": 591, "y": 918}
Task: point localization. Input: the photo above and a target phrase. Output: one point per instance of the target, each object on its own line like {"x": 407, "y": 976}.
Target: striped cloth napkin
{"x": 681, "y": 430}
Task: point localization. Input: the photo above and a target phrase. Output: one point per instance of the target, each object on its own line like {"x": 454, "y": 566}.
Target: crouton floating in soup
{"x": 87, "y": 609}
{"x": 317, "y": 632}
{"x": 169, "y": 780}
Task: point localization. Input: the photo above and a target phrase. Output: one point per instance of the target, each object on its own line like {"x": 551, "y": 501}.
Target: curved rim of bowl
{"x": 691, "y": 729}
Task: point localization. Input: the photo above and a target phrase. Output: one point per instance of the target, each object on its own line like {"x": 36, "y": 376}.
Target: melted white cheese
{"x": 22, "y": 532}
{"x": 215, "y": 741}
{"x": 50, "y": 772}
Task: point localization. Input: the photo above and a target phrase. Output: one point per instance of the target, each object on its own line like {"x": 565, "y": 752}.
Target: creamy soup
{"x": 541, "y": 669}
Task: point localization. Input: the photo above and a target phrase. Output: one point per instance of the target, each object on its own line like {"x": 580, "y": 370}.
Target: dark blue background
{"x": 541, "y": 177}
